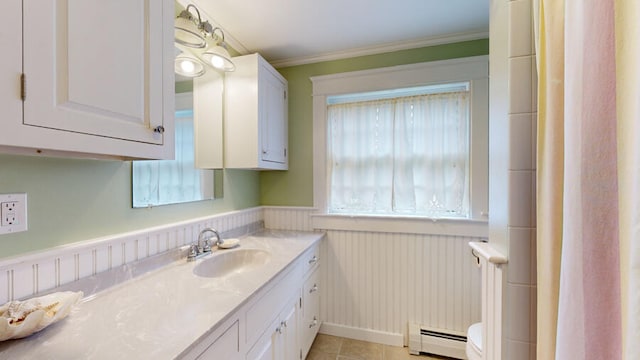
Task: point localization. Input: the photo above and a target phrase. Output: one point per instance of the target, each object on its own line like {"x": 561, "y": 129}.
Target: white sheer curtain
{"x": 403, "y": 156}
{"x": 161, "y": 182}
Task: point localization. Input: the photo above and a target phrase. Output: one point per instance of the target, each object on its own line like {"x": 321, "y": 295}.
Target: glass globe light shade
{"x": 189, "y": 66}
{"x": 187, "y": 33}
{"x": 219, "y": 58}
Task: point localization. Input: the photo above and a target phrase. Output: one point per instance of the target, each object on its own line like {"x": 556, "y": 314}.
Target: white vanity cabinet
{"x": 255, "y": 116}
{"x": 88, "y": 78}
{"x": 279, "y": 322}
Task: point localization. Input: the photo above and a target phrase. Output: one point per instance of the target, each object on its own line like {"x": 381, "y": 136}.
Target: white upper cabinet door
{"x": 274, "y": 124}
{"x": 99, "y": 77}
{"x": 94, "y": 67}
{"x": 10, "y": 63}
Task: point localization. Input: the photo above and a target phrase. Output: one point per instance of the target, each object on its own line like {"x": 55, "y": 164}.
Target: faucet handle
{"x": 193, "y": 251}
{"x": 206, "y": 246}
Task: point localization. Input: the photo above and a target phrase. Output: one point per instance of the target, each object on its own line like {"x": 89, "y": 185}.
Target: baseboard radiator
{"x": 449, "y": 343}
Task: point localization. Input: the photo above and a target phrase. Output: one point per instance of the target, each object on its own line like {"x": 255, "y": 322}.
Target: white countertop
{"x": 162, "y": 313}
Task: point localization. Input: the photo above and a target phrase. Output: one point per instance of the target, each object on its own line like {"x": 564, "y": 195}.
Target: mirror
{"x": 162, "y": 182}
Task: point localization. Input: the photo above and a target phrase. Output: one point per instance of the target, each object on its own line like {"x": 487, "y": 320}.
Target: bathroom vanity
{"x": 259, "y": 303}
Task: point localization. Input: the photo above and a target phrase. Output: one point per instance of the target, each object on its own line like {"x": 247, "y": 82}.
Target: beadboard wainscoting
{"x": 27, "y": 275}
{"x": 375, "y": 282}
{"x": 288, "y": 218}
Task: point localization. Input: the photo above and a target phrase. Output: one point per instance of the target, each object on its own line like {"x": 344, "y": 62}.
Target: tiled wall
{"x": 28, "y": 275}
{"x": 521, "y": 280}
{"x": 512, "y": 40}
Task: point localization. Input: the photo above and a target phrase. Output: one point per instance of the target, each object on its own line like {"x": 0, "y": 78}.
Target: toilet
{"x": 474, "y": 342}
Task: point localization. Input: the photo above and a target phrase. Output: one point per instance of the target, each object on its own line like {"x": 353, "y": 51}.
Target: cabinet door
{"x": 273, "y": 125}
{"x": 266, "y": 348}
{"x": 289, "y": 336}
{"x": 96, "y": 67}
{"x": 265, "y": 352}
{"x": 280, "y": 341}
{"x": 10, "y": 62}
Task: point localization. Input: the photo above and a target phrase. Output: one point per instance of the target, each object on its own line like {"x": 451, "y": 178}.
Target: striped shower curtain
{"x": 588, "y": 54}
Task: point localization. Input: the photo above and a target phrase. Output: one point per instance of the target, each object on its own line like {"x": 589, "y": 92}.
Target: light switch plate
{"x": 13, "y": 213}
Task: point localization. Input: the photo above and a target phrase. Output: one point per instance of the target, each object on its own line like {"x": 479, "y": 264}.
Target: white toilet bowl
{"x": 474, "y": 342}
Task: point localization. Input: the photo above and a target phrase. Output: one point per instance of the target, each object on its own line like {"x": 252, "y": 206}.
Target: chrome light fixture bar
{"x": 198, "y": 41}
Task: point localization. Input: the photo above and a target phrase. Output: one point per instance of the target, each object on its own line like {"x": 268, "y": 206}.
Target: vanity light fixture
{"x": 188, "y": 65}
{"x": 198, "y": 40}
{"x": 188, "y": 30}
{"x": 217, "y": 55}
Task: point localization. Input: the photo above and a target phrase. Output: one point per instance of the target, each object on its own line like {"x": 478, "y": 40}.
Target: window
{"x": 405, "y": 141}
{"x": 401, "y": 152}
{"x": 162, "y": 182}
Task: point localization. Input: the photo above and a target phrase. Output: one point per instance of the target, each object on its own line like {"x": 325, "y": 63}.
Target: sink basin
{"x": 232, "y": 262}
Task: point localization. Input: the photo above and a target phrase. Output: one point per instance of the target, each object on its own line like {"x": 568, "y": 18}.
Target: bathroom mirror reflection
{"x": 162, "y": 182}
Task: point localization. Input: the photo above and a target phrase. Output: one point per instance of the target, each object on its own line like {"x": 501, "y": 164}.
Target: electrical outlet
{"x": 13, "y": 213}
{"x": 8, "y": 210}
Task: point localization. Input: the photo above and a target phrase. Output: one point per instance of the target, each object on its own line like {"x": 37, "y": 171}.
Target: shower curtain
{"x": 588, "y": 231}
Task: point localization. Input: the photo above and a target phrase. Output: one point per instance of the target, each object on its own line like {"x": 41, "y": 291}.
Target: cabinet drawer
{"x": 311, "y": 259}
{"x": 310, "y": 310}
{"x": 311, "y": 299}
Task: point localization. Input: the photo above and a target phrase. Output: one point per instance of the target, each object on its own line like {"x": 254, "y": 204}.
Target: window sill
{"x": 401, "y": 224}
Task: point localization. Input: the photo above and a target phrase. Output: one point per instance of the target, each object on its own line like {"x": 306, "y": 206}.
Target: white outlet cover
{"x": 20, "y": 213}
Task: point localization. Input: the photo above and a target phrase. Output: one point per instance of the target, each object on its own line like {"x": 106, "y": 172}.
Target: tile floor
{"x": 327, "y": 347}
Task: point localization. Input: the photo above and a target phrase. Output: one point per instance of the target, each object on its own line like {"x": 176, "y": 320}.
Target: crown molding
{"x": 384, "y": 48}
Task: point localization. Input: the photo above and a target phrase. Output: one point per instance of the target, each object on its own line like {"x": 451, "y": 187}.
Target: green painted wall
{"x": 295, "y": 186}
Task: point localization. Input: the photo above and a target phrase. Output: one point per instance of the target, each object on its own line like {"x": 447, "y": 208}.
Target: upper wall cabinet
{"x": 97, "y": 78}
{"x": 255, "y": 121}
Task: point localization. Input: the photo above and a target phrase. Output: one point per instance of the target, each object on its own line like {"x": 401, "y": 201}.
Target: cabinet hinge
{"x": 23, "y": 87}
{"x": 285, "y": 95}
{"x": 300, "y": 354}
{"x": 285, "y": 152}
{"x": 301, "y": 302}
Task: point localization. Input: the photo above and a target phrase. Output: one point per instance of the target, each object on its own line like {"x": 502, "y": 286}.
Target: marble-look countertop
{"x": 160, "y": 314}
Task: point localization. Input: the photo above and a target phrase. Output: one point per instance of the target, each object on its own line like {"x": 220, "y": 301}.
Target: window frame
{"x": 474, "y": 70}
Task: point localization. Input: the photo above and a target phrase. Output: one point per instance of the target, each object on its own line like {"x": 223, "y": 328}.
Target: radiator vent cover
{"x": 435, "y": 341}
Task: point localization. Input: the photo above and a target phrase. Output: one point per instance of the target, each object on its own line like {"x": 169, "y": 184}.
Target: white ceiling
{"x": 288, "y": 32}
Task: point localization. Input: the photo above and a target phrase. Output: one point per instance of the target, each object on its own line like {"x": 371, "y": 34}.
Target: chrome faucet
{"x": 203, "y": 246}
